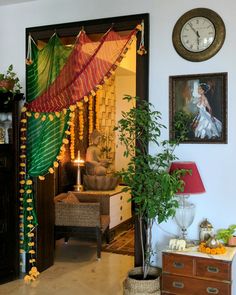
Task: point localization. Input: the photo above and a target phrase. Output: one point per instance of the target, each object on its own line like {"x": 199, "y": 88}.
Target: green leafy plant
{"x": 224, "y": 234}
{"x": 183, "y": 124}
{"x": 152, "y": 187}
{"x": 11, "y": 77}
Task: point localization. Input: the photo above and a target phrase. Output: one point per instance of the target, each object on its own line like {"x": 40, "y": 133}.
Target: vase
{"x": 232, "y": 241}
{"x": 134, "y": 284}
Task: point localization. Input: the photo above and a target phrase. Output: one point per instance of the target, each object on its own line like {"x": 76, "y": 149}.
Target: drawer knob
{"x": 121, "y": 208}
{"x": 121, "y": 197}
{"x": 211, "y": 290}
{"x": 178, "y": 264}
{"x": 213, "y": 269}
{"x": 178, "y": 285}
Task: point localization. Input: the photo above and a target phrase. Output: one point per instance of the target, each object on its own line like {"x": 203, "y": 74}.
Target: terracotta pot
{"x": 232, "y": 241}
{"x": 134, "y": 285}
{"x": 7, "y": 84}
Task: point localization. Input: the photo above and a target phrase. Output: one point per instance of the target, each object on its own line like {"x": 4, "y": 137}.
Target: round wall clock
{"x": 198, "y": 34}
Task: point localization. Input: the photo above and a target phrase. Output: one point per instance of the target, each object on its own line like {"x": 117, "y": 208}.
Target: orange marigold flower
{"x": 213, "y": 251}
{"x": 208, "y": 250}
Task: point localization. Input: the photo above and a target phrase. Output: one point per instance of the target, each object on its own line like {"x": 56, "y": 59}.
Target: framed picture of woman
{"x": 198, "y": 106}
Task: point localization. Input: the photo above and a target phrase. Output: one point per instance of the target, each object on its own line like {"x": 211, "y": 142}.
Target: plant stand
{"x": 133, "y": 286}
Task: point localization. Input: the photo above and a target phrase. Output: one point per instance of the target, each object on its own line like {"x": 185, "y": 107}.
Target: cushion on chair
{"x": 60, "y": 197}
{"x": 70, "y": 199}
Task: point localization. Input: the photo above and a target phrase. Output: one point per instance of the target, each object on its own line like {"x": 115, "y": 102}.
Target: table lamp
{"x": 193, "y": 185}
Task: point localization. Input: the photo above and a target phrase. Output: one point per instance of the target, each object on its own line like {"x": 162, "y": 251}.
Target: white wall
{"x": 125, "y": 84}
{"x": 215, "y": 161}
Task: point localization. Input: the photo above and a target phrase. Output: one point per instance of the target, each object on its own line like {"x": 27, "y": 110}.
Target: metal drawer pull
{"x": 211, "y": 290}
{"x": 178, "y": 265}
{"x": 212, "y": 269}
{"x": 121, "y": 197}
{"x": 121, "y": 207}
{"x": 178, "y": 285}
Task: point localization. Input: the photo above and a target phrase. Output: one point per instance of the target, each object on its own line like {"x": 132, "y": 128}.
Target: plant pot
{"x": 7, "y": 84}
{"x": 232, "y": 241}
{"x": 134, "y": 284}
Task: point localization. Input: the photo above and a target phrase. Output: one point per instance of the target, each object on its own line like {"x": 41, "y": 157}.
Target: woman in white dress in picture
{"x": 207, "y": 126}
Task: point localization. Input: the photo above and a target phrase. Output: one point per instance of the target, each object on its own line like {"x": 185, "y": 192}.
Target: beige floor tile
{"x": 77, "y": 272}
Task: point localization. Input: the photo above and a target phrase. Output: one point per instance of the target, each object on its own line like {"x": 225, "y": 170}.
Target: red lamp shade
{"x": 193, "y": 181}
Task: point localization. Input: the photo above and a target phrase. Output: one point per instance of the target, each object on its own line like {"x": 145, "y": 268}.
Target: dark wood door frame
{"x": 122, "y": 23}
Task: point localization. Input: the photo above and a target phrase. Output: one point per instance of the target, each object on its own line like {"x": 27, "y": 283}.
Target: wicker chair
{"x": 81, "y": 218}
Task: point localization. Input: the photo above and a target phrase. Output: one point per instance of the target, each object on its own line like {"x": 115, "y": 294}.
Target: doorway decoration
{"x": 60, "y": 79}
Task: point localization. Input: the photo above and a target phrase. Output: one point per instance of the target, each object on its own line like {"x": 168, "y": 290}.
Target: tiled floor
{"x": 77, "y": 272}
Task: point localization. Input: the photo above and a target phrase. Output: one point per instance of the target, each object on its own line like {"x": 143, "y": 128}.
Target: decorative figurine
{"x": 96, "y": 177}
{"x": 94, "y": 164}
{"x": 206, "y": 230}
{"x": 177, "y": 244}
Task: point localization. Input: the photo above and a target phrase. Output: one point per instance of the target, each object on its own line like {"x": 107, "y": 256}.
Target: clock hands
{"x": 197, "y": 34}
{"x": 195, "y": 31}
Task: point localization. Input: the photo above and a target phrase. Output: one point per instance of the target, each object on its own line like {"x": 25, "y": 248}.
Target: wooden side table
{"x": 191, "y": 272}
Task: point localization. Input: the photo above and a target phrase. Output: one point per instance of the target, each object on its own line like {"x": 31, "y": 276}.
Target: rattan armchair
{"x": 82, "y": 218}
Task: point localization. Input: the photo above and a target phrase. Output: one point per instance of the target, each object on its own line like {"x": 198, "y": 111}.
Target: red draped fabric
{"x": 87, "y": 67}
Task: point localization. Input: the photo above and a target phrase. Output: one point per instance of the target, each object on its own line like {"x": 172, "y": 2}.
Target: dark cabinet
{"x": 9, "y": 154}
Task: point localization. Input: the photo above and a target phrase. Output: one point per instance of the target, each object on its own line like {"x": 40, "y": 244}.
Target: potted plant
{"x": 147, "y": 177}
{"x": 9, "y": 81}
{"x": 227, "y": 235}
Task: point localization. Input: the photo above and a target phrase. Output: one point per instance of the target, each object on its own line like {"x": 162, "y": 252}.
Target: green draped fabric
{"x": 47, "y": 63}
{"x": 44, "y": 142}
{"x": 44, "y": 138}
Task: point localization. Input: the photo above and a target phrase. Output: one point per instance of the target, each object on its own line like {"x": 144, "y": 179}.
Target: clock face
{"x": 197, "y": 34}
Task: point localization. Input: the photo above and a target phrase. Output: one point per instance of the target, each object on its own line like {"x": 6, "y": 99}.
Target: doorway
{"x": 53, "y": 184}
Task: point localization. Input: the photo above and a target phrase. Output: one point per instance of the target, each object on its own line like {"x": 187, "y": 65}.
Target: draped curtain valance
{"x": 80, "y": 72}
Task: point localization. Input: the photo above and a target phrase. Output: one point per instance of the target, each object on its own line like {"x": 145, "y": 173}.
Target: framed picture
{"x": 198, "y": 106}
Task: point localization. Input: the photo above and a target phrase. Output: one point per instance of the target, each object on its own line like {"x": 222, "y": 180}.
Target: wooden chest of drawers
{"x": 191, "y": 273}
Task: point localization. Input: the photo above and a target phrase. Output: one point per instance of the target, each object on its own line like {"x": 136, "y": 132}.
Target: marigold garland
{"x": 97, "y": 109}
{"x": 90, "y": 115}
{"x": 72, "y": 135}
{"x": 22, "y": 172}
{"x": 213, "y": 251}
{"x": 81, "y": 119}
{"x": 27, "y": 220}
